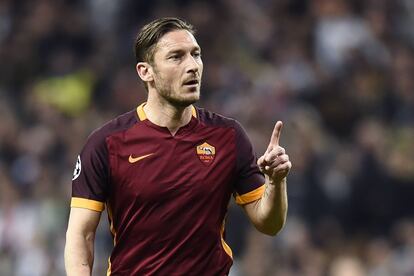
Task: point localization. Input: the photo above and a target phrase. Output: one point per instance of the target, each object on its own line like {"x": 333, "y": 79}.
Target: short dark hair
{"x": 152, "y": 32}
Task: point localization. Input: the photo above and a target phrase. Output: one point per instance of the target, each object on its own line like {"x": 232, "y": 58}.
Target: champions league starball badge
{"x": 78, "y": 168}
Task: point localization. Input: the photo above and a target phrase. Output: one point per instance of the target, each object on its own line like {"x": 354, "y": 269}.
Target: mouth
{"x": 192, "y": 82}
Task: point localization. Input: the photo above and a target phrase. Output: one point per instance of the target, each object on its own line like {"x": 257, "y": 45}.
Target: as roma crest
{"x": 206, "y": 153}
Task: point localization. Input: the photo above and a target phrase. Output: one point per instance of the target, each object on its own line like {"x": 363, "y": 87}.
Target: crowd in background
{"x": 340, "y": 74}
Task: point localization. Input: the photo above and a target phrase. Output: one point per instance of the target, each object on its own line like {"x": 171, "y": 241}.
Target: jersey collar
{"x": 142, "y": 116}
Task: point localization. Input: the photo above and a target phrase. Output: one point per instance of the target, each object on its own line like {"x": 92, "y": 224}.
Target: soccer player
{"x": 166, "y": 172}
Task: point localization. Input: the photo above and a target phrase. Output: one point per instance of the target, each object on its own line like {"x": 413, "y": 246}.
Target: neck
{"x": 164, "y": 114}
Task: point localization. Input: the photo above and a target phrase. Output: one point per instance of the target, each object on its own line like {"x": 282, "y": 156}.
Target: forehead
{"x": 177, "y": 40}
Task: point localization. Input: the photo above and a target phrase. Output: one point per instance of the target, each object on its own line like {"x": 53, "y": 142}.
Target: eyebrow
{"x": 177, "y": 51}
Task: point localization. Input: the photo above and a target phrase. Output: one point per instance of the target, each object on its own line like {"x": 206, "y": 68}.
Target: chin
{"x": 184, "y": 101}
{"x": 189, "y": 98}
{"x": 181, "y": 98}
{"x": 189, "y": 101}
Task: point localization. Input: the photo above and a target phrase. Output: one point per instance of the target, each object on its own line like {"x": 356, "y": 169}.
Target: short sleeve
{"x": 249, "y": 185}
{"x": 90, "y": 177}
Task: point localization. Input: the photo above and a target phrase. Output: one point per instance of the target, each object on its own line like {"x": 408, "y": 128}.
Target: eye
{"x": 174, "y": 57}
{"x": 197, "y": 55}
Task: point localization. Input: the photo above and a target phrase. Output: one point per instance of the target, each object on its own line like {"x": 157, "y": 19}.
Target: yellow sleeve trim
{"x": 87, "y": 204}
{"x": 250, "y": 196}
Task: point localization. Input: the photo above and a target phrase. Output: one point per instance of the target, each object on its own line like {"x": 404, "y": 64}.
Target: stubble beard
{"x": 176, "y": 98}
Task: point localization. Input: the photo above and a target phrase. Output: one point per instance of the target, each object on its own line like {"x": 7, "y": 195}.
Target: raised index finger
{"x": 274, "y": 140}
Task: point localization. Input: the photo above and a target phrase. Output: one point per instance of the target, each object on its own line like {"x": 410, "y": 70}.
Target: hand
{"x": 275, "y": 162}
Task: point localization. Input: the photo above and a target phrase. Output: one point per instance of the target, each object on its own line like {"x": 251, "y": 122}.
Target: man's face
{"x": 178, "y": 68}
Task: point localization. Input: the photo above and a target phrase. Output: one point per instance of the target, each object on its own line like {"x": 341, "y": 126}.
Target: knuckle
{"x": 284, "y": 158}
{"x": 272, "y": 156}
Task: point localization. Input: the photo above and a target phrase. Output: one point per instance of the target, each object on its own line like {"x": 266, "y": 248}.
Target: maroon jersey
{"x": 167, "y": 196}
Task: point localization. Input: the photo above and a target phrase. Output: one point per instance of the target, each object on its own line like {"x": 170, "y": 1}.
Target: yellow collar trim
{"x": 193, "y": 111}
{"x": 141, "y": 113}
{"x": 142, "y": 116}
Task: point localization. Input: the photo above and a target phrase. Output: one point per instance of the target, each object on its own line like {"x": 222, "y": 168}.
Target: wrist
{"x": 275, "y": 182}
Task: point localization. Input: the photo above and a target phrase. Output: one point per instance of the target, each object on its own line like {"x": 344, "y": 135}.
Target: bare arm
{"x": 268, "y": 214}
{"x": 80, "y": 236}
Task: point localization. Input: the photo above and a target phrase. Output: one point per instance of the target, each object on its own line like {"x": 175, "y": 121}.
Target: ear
{"x": 144, "y": 71}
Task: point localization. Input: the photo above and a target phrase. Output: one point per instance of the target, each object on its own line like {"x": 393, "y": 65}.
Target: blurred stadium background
{"x": 340, "y": 74}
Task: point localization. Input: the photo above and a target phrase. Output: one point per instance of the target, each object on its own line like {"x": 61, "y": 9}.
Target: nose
{"x": 193, "y": 64}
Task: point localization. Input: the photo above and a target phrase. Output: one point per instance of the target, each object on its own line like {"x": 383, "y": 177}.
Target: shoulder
{"x": 121, "y": 123}
{"x": 214, "y": 119}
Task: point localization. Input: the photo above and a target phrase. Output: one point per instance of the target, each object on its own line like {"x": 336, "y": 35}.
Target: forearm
{"x": 79, "y": 254}
{"x": 271, "y": 209}
{"x": 268, "y": 214}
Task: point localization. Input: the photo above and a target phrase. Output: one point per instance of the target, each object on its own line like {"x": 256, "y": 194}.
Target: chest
{"x": 147, "y": 167}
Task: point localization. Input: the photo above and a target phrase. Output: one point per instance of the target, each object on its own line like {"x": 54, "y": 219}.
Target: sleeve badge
{"x": 78, "y": 168}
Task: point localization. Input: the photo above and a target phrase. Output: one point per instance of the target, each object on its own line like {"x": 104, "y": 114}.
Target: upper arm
{"x": 249, "y": 182}
{"x": 91, "y": 175}
{"x": 89, "y": 186}
{"x": 83, "y": 221}
{"x": 251, "y": 210}
{"x": 80, "y": 236}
